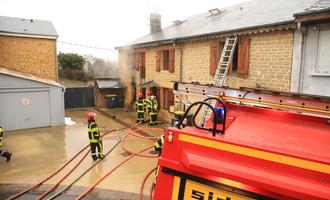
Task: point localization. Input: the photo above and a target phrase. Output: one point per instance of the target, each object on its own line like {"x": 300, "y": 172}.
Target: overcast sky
{"x": 104, "y": 23}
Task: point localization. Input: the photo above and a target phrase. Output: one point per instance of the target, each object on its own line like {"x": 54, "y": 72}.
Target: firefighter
{"x": 153, "y": 111}
{"x": 4, "y": 153}
{"x": 158, "y": 147}
{"x": 140, "y": 107}
{"x": 147, "y": 102}
{"x": 94, "y": 136}
{"x": 159, "y": 144}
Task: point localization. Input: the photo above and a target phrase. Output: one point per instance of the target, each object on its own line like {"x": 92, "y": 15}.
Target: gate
{"x": 81, "y": 97}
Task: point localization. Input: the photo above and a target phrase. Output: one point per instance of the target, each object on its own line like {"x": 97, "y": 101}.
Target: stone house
{"x": 189, "y": 50}
{"x": 28, "y": 46}
{"x": 29, "y": 94}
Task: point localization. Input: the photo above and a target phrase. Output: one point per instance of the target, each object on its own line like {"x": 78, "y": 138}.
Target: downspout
{"x": 302, "y": 30}
{"x": 180, "y": 77}
{"x": 56, "y": 61}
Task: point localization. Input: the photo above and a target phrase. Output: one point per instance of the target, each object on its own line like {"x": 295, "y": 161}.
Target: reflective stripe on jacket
{"x": 147, "y": 103}
{"x": 159, "y": 143}
{"x": 154, "y": 107}
{"x": 93, "y": 132}
{"x": 140, "y": 105}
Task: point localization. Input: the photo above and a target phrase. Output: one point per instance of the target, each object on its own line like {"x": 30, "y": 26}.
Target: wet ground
{"x": 37, "y": 153}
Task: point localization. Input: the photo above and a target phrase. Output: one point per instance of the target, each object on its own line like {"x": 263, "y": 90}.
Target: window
{"x": 234, "y": 65}
{"x": 323, "y": 58}
{"x": 166, "y": 59}
{"x": 240, "y": 61}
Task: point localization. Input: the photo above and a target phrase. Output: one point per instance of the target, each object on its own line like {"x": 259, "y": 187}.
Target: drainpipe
{"x": 303, "y": 32}
{"x": 56, "y": 62}
{"x": 181, "y": 78}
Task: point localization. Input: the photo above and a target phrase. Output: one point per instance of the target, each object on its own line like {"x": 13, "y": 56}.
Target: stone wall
{"x": 29, "y": 55}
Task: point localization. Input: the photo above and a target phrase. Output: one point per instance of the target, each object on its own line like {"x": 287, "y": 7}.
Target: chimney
{"x": 155, "y": 22}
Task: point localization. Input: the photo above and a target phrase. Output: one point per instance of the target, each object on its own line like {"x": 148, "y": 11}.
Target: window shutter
{"x": 171, "y": 60}
{"x": 137, "y": 61}
{"x": 134, "y": 60}
{"x": 215, "y": 53}
{"x": 158, "y": 54}
{"x": 164, "y": 98}
{"x": 140, "y": 55}
{"x": 170, "y": 98}
{"x": 243, "y": 57}
{"x": 159, "y": 98}
{"x": 143, "y": 65}
{"x": 213, "y": 49}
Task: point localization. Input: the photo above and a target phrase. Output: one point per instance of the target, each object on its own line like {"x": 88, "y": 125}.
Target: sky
{"x": 104, "y": 24}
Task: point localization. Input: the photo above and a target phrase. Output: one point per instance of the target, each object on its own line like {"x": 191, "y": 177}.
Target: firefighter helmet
{"x": 140, "y": 95}
{"x": 91, "y": 115}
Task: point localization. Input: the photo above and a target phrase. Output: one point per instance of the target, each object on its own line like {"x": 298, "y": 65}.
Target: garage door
{"x": 24, "y": 109}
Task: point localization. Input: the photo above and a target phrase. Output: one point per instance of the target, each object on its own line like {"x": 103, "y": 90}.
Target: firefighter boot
{"x": 6, "y": 155}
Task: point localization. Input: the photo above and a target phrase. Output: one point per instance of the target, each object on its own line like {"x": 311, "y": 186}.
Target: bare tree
{"x": 91, "y": 62}
{"x": 100, "y": 67}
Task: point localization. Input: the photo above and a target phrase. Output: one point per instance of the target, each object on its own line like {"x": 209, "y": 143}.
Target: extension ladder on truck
{"x": 220, "y": 76}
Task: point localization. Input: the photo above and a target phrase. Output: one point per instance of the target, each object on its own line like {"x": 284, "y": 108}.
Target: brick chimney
{"x": 155, "y": 22}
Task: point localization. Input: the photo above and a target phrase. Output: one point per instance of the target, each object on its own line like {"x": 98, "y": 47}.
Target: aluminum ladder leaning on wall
{"x": 221, "y": 73}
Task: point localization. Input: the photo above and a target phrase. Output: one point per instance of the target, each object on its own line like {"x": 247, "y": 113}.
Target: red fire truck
{"x": 268, "y": 145}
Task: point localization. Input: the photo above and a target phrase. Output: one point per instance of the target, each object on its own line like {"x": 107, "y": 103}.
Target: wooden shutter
{"x": 143, "y": 65}
{"x": 243, "y": 57}
{"x": 215, "y": 52}
{"x": 170, "y": 98}
{"x": 158, "y": 95}
{"x": 140, "y": 61}
{"x": 171, "y": 60}
{"x": 135, "y": 60}
{"x": 158, "y": 54}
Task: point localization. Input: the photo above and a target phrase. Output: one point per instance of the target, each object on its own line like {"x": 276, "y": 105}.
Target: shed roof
{"x": 109, "y": 83}
{"x": 247, "y": 15}
{"x": 29, "y": 77}
{"x": 33, "y": 27}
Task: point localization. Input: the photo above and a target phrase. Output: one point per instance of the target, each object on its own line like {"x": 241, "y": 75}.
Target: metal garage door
{"x": 21, "y": 109}
{"x": 82, "y": 97}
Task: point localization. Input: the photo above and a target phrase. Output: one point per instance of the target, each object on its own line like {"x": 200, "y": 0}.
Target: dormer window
{"x": 215, "y": 11}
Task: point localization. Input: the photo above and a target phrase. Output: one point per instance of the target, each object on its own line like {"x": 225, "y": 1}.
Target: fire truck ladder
{"x": 220, "y": 76}
{"x": 305, "y": 104}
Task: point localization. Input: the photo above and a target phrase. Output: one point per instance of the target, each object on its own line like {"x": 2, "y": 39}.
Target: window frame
{"x": 165, "y": 60}
{"x": 318, "y": 71}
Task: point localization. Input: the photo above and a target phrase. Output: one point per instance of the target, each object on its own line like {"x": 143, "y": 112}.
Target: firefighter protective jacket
{"x": 159, "y": 144}
{"x": 139, "y": 104}
{"x": 93, "y": 132}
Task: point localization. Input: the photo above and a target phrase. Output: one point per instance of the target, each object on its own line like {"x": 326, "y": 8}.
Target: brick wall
{"x": 29, "y": 55}
{"x": 270, "y": 56}
{"x": 99, "y": 98}
{"x": 269, "y": 63}
{"x": 196, "y": 62}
